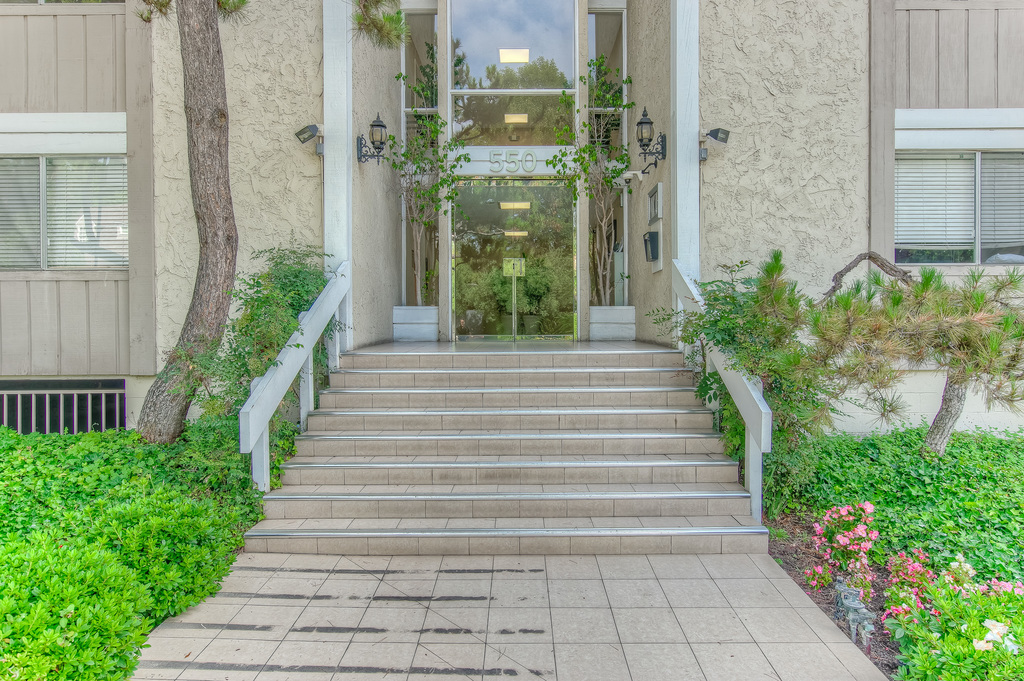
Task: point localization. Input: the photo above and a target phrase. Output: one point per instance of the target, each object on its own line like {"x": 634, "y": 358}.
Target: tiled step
{"x": 508, "y": 443}
{"x": 506, "y": 501}
{"x": 553, "y": 536}
{"x": 537, "y": 396}
{"x": 341, "y": 471}
{"x": 509, "y": 377}
{"x": 465, "y": 418}
{"x": 439, "y": 360}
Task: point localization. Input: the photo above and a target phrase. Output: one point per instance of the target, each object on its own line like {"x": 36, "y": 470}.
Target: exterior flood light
{"x": 378, "y": 136}
{"x": 719, "y": 135}
{"x": 307, "y": 133}
{"x": 514, "y": 55}
{"x": 645, "y": 136}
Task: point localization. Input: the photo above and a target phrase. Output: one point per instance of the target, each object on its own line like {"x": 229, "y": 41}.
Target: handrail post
{"x": 753, "y": 468}
{"x": 261, "y": 452}
{"x": 306, "y": 385}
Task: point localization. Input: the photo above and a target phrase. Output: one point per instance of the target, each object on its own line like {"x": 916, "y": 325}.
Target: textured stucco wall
{"x": 376, "y": 208}
{"x": 648, "y": 42}
{"x": 273, "y": 62}
{"x": 790, "y": 81}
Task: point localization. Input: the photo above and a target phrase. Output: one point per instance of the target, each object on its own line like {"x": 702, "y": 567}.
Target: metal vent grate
{"x": 53, "y": 406}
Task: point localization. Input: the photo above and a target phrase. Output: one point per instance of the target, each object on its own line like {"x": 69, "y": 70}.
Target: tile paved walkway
{"x": 281, "y": 617}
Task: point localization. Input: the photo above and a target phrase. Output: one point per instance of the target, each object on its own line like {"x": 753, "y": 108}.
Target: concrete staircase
{"x": 541, "y": 452}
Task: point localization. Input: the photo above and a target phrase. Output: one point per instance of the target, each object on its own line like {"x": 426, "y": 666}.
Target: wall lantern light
{"x": 378, "y": 136}
{"x": 645, "y": 136}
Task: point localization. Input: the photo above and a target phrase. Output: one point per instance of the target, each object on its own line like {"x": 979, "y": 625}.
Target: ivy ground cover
{"x": 103, "y": 536}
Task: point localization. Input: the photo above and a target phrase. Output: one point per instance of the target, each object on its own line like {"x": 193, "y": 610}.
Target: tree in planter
{"x": 972, "y": 331}
{"x": 593, "y": 160}
{"x": 163, "y": 412}
{"x": 426, "y": 170}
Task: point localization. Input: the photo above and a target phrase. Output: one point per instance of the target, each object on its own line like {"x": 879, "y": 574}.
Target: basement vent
{"x": 53, "y": 406}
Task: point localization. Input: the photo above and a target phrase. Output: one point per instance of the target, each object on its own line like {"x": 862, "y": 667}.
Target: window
{"x": 960, "y": 207}
{"x": 63, "y": 212}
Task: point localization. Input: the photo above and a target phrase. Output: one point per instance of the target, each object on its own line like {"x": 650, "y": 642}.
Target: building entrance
{"x": 514, "y": 260}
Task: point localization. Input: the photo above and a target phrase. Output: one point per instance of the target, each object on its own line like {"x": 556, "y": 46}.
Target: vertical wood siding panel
{"x": 100, "y": 56}
{"x": 45, "y": 328}
{"x": 73, "y": 298}
{"x": 1010, "y": 79}
{"x": 901, "y": 65}
{"x": 119, "y": 63}
{"x": 71, "y": 72}
{"x": 42, "y": 64}
{"x": 13, "y": 50}
{"x": 953, "y": 59}
{"x": 981, "y": 58}
{"x": 923, "y": 59}
{"x": 123, "y": 331}
{"x": 103, "y": 329}
{"x": 15, "y": 355}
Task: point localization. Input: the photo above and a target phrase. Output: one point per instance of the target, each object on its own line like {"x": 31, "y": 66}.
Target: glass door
{"x": 514, "y": 260}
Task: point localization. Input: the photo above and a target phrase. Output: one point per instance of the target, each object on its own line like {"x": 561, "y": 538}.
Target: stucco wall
{"x": 790, "y": 81}
{"x": 376, "y": 208}
{"x": 272, "y": 58}
{"x": 648, "y": 45}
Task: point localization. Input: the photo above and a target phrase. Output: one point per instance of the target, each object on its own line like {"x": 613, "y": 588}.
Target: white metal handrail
{"x": 755, "y": 412}
{"x": 296, "y": 359}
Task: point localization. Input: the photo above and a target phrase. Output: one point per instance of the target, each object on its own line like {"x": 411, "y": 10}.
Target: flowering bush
{"x": 950, "y": 627}
{"x": 844, "y": 538}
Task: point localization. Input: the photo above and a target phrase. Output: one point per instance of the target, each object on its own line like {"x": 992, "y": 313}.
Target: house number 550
{"x": 513, "y": 161}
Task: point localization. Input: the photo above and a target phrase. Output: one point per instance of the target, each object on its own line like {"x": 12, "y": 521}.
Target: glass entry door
{"x": 513, "y": 260}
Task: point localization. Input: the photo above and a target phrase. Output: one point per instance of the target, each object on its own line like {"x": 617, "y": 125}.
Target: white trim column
{"x": 338, "y": 140}
{"x": 684, "y": 135}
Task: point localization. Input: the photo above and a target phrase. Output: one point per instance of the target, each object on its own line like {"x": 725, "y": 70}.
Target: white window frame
{"x": 958, "y": 130}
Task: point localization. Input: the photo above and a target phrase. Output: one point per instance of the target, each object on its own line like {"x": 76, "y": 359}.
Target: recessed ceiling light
{"x": 516, "y": 118}
{"x": 514, "y": 205}
{"x": 513, "y": 234}
{"x": 516, "y": 55}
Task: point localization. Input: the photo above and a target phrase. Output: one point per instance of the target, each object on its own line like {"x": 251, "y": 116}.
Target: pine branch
{"x": 876, "y": 259}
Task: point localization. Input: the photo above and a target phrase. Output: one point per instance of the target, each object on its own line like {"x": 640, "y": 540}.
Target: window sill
{"x": 64, "y": 275}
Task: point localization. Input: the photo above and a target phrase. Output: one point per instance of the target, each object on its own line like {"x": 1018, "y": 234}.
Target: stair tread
{"x": 466, "y": 491}
{"x": 508, "y": 411}
{"x": 509, "y": 461}
{"x": 518, "y": 389}
{"x": 516, "y": 432}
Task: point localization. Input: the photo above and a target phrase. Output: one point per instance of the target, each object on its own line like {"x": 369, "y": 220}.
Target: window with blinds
{"x": 960, "y": 207}
{"x": 64, "y": 212}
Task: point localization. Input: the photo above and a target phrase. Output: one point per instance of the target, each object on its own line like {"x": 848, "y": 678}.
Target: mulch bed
{"x": 797, "y": 554}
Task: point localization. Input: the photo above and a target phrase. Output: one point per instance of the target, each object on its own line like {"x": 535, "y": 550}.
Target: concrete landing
{"x": 566, "y": 618}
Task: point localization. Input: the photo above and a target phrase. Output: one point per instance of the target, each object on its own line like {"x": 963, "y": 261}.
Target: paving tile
{"x": 307, "y": 653}
{"x": 381, "y": 624}
{"x": 463, "y": 592}
{"x": 175, "y": 649}
{"x": 518, "y": 625}
{"x": 338, "y": 591}
{"x": 635, "y": 593}
{"x": 751, "y": 593}
{"x": 855, "y": 662}
{"x": 583, "y": 625}
{"x": 822, "y": 625}
{"x": 526, "y": 660}
{"x": 572, "y": 567}
{"x": 805, "y": 662}
{"x": 693, "y": 593}
{"x": 776, "y": 625}
{"x": 625, "y": 567}
{"x": 278, "y": 620}
{"x": 678, "y": 567}
{"x": 236, "y": 651}
{"x": 794, "y": 594}
{"x": 730, "y": 566}
{"x": 454, "y": 625}
{"x": 733, "y": 661}
{"x": 377, "y": 660}
{"x": 577, "y": 593}
{"x": 768, "y": 566}
{"x": 648, "y": 625}
{"x": 519, "y": 593}
{"x": 711, "y": 625}
{"x": 463, "y": 661}
{"x": 326, "y": 624}
{"x": 590, "y": 662}
{"x": 662, "y": 662}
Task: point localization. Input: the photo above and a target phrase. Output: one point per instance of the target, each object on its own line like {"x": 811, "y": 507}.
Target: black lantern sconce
{"x": 378, "y": 136}
{"x": 645, "y": 136}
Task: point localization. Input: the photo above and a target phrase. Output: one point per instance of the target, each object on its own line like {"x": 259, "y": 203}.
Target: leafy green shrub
{"x": 967, "y": 501}
{"x": 179, "y": 546}
{"x": 68, "y": 611}
{"x": 955, "y": 628}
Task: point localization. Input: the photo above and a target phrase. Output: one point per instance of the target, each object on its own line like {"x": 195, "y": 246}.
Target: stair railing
{"x": 295, "y": 360}
{"x": 755, "y": 412}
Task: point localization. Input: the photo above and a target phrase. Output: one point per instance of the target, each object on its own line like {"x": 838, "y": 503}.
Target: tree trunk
{"x": 206, "y": 118}
{"x": 953, "y": 398}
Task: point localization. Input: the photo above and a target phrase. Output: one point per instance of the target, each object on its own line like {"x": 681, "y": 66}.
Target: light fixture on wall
{"x": 719, "y": 135}
{"x": 378, "y": 136}
{"x": 645, "y": 137}
{"x": 311, "y": 132}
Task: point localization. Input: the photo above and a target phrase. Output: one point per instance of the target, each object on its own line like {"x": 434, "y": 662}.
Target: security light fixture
{"x": 378, "y": 136}
{"x": 309, "y": 132}
{"x": 514, "y": 55}
{"x": 719, "y": 135}
{"x": 645, "y": 136}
